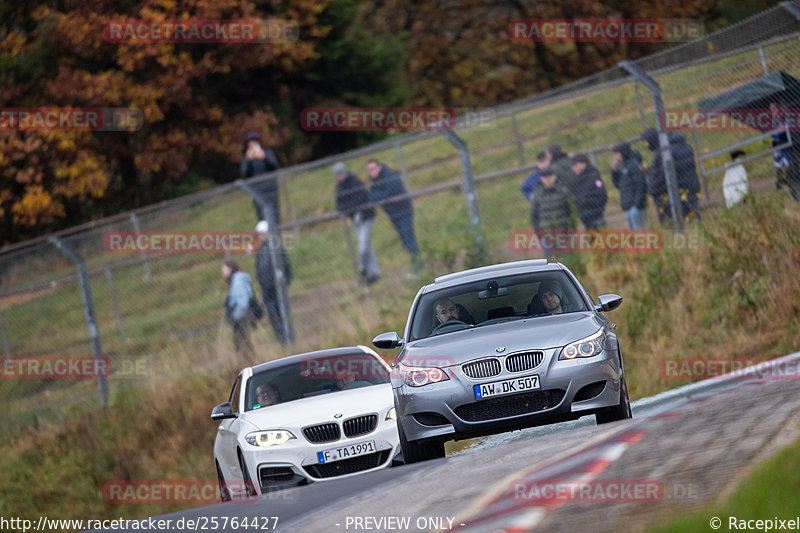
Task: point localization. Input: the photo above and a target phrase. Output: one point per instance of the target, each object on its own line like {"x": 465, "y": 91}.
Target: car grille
{"x": 520, "y": 362}
{"x": 322, "y": 433}
{"x": 360, "y": 425}
{"x": 485, "y": 368}
{"x": 348, "y": 466}
{"x": 275, "y": 474}
{"x": 506, "y": 406}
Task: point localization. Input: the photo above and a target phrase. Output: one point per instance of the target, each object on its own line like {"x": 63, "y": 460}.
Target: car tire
{"x": 419, "y": 450}
{"x": 224, "y": 493}
{"x": 249, "y": 486}
{"x": 621, "y": 411}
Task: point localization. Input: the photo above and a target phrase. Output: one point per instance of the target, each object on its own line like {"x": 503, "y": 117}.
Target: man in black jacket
{"x": 351, "y": 195}
{"x": 387, "y": 184}
{"x": 257, "y": 161}
{"x": 590, "y": 193}
{"x": 266, "y": 276}
{"x": 629, "y": 178}
{"x": 686, "y": 174}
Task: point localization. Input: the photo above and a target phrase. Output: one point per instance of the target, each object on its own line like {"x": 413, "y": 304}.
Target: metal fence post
{"x": 3, "y": 335}
{"x": 666, "y": 152}
{"x": 468, "y": 186}
{"x": 135, "y": 222}
{"x": 277, "y": 271}
{"x": 348, "y": 239}
{"x": 398, "y": 148}
{"x": 763, "y": 59}
{"x": 518, "y": 139}
{"x": 88, "y": 310}
{"x": 112, "y": 290}
{"x": 640, "y": 103}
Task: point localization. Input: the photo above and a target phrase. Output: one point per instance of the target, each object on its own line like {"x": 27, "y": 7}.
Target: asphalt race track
{"x": 683, "y": 448}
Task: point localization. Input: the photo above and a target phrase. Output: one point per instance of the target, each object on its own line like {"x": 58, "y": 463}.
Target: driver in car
{"x": 267, "y": 394}
{"x": 446, "y": 310}
{"x": 552, "y": 297}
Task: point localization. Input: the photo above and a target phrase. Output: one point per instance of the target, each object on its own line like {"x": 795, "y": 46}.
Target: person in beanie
{"x": 256, "y": 161}
{"x": 265, "y": 273}
{"x": 551, "y": 294}
{"x": 237, "y": 305}
{"x": 685, "y": 173}
{"x": 562, "y": 166}
{"x": 387, "y": 184}
{"x": 629, "y": 178}
{"x": 351, "y": 195}
{"x": 551, "y": 208}
{"x": 591, "y": 195}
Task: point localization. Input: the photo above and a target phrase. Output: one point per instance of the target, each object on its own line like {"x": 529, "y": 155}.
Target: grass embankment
{"x": 737, "y": 294}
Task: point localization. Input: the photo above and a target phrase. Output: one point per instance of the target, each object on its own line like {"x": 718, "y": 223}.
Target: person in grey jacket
{"x": 386, "y": 183}
{"x": 237, "y": 305}
{"x": 628, "y": 177}
{"x": 561, "y": 164}
{"x": 351, "y": 196}
{"x": 551, "y": 208}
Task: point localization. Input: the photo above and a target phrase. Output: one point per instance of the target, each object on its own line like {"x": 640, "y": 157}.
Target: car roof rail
{"x": 491, "y": 268}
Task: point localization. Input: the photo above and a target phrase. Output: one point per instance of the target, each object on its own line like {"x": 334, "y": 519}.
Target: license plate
{"x": 509, "y": 386}
{"x": 346, "y": 452}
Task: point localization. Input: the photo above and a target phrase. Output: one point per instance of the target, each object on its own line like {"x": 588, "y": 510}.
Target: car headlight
{"x": 414, "y": 376}
{"x": 392, "y": 414}
{"x": 265, "y": 439}
{"x": 588, "y": 347}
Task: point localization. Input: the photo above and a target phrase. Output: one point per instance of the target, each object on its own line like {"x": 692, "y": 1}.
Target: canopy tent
{"x": 778, "y": 87}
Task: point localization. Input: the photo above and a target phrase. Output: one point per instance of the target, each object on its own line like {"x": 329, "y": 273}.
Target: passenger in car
{"x": 267, "y": 394}
{"x": 552, "y": 297}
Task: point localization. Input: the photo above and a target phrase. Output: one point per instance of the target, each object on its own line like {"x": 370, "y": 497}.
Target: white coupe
{"x": 304, "y": 418}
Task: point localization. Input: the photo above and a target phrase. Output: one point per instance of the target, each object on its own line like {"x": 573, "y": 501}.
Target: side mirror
{"x": 386, "y": 341}
{"x": 608, "y": 302}
{"x": 222, "y": 411}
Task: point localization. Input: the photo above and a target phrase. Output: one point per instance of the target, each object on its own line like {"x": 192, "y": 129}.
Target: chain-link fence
{"x": 166, "y": 310}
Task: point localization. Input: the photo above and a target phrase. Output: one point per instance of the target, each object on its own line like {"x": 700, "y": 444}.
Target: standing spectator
{"x": 351, "y": 195}
{"x": 787, "y": 168}
{"x": 734, "y": 184}
{"x": 529, "y": 185}
{"x": 257, "y": 161}
{"x": 387, "y": 184}
{"x": 685, "y": 173}
{"x": 266, "y": 275}
{"x": 629, "y": 178}
{"x": 237, "y": 305}
{"x": 561, "y": 164}
{"x": 591, "y": 195}
{"x": 551, "y": 208}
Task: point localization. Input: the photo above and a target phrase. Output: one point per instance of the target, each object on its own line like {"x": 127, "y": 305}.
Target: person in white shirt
{"x": 734, "y": 184}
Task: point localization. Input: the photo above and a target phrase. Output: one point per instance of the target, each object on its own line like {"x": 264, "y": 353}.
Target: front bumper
{"x": 296, "y": 463}
{"x": 568, "y": 390}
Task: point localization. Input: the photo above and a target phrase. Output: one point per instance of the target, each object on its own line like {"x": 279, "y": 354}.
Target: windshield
{"x": 495, "y": 300}
{"x": 314, "y": 376}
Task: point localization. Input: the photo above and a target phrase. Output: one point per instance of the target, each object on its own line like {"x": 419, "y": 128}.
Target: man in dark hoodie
{"x": 351, "y": 195}
{"x": 551, "y": 208}
{"x": 257, "y": 161}
{"x": 559, "y": 161}
{"x": 686, "y": 174}
{"x": 266, "y": 274}
{"x": 386, "y": 184}
{"x": 629, "y": 178}
{"x": 591, "y": 196}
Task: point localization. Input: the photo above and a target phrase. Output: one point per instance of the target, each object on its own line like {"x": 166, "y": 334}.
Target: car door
{"x": 227, "y": 436}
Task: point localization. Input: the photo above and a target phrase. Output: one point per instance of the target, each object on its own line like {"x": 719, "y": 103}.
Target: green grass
{"x": 769, "y": 492}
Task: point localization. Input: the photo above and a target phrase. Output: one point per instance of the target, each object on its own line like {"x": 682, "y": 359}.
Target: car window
{"x": 495, "y": 300}
{"x": 234, "y": 397}
{"x": 314, "y": 376}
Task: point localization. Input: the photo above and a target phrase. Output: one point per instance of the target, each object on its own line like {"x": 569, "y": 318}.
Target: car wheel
{"x": 419, "y": 450}
{"x": 249, "y": 486}
{"x": 617, "y": 412}
{"x": 224, "y": 493}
